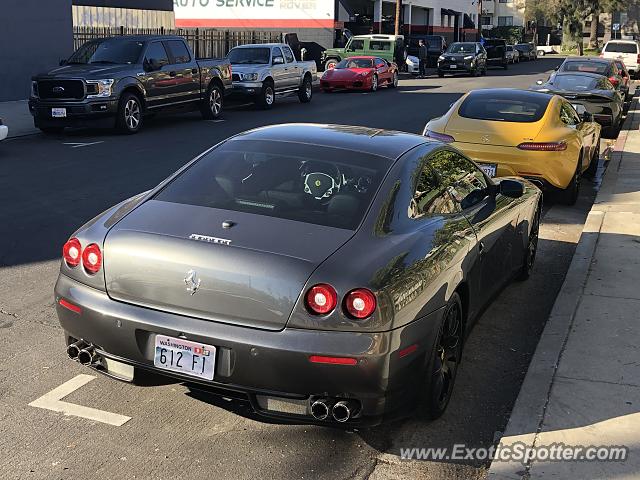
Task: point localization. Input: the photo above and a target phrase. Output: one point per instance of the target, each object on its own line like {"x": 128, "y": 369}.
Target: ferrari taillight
{"x": 72, "y": 252}
{"x": 321, "y": 299}
{"x": 92, "y": 258}
{"x": 360, "y": 303}
{"x": 544, "y": 146}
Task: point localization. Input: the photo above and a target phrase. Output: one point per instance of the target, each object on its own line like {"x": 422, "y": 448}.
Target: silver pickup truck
{"x": 262, "y": 71}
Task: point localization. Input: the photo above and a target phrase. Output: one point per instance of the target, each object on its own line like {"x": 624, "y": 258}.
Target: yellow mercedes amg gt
{"x": 534, "y": 135}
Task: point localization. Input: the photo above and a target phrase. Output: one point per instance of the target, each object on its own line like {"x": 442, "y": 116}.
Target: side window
{"x": 277, "y": 53}
{"x": 429, "y": 197}
{"x": 288, "y": 54}
{"x": 157, "y": 53}
{"x": 461, "y": 178}
{"x": 356, "y": 45}
{"x": 179, "y": 51}
{"x": 567, "y": 115}
{"x": 380, "y": 45}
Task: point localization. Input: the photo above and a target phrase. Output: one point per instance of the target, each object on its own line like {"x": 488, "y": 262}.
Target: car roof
{"x": 506, "y": 92}
{"x": 379, "y": 36}
{"x": 623, "y": 41}
{"x": 141, "y": 38}
{"x": 253, "y": 45}
{"x": 374, "y": 141}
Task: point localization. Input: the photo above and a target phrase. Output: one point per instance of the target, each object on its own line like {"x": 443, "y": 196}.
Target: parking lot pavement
{"x": 49, "y": 185}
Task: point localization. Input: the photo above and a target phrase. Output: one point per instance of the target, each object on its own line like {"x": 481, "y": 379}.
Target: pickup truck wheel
{"x": 267, "y": 96}
{"x": 129, "y": 118}
{"x": 306, "y": 90}
{"x": 211, "y": 107}
{"x": 541, "y": 53}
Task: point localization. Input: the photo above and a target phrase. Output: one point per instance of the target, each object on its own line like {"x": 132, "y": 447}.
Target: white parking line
{"x": 52, "y": 401}
{"x": 81, "y": 144}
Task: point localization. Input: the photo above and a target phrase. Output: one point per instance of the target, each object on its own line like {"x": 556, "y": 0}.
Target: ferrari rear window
{"x": 307, "y": 183}
{"x": 510, "y": 107}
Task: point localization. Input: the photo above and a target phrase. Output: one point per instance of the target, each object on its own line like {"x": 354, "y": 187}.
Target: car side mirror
{"x": 62, "y": 62}
{"x": 278, "y": 61}
{"x": 511, "y": 188}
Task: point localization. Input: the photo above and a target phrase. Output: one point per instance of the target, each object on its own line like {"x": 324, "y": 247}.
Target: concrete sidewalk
{"x": 17, "y": 117}
{"x": 583, "y": 384}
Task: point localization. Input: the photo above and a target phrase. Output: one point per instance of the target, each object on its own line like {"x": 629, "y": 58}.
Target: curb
{"x": 527, "y": 416}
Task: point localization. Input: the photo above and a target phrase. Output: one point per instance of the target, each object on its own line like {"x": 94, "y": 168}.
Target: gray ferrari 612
{"x": 327, "y": 274}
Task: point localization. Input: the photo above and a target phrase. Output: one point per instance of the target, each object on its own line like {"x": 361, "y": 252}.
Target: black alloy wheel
{"x": 532, "y": 247}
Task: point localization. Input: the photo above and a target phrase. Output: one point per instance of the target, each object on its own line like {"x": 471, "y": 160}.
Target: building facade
{"x": 503, "y": 13}
{"x": 123, "y": 13}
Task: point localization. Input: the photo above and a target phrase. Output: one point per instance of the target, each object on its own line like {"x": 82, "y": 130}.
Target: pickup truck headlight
{"x": 469, "y": 57}
{"x": 249, "y": 77}
{"x": 441, "y": 57}
{"x": 34, "y": 89}
{"x": 99, "y": 88}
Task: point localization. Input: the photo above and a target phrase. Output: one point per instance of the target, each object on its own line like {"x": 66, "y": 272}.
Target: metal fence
{"x": 205, "y": 42}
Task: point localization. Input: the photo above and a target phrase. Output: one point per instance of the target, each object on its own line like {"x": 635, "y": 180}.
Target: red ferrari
{"x": 360, "y": 73}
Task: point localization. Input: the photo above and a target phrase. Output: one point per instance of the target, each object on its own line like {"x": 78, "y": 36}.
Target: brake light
{"x": 70, "y": 306}
{"x": 544, "y": 146}
{"x": 360, "y": 303}
{"x": 321, "y": 299}
{"x": 441, "y": 137}
{"x": 614, "y": 81}
{"x": 92, "y": 258}
{"x": 333, "y": 360}
{"x": 71, "y": 252}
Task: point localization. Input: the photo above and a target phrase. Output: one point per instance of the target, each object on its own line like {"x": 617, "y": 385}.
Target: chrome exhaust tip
{"x": 88, "y": 355}
{"x": 74, "y": 349}
{"x": 342, "y": 411}
{"x": 320, "y": 409}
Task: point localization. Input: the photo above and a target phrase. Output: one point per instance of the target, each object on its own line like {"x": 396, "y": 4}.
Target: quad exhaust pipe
{"x": 74, "y": 349}
{"x": 340, "y": 411}
{"x": 83, "y": 352}
{"x": 343, "y": 410}
{"x": 321, "y": 408}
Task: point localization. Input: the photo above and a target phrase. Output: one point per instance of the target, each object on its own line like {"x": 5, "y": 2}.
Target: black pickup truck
{"x": 115, "y": 82}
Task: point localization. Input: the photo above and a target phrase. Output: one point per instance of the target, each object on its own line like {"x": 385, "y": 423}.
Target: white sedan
{"x": 4, "y": 131}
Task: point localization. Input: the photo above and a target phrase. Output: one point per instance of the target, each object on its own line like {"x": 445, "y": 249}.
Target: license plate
{"x": 58, "y": 112}
{"x": 183, "y": 356}
{"x": 453, "y": 66}
{"x": 489, "y": 168}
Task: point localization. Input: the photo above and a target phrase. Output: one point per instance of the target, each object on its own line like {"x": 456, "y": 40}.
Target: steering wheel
{"x": 321, "y": 184}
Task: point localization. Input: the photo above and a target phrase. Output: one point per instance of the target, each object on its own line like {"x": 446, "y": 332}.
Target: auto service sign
{"x": 254, "y": 14}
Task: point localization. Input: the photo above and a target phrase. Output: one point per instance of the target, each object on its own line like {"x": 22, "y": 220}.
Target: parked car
{"x": 527, "y": 51}
{"x": 626, "y": 50}
{"x": 412, "y": 65}
{"x": 389, "y": 47}
{"x": 542, "y": 50}
{"x": 115, "y": 82}
{"x": 263, "y": 71}
{"x": 517, "y": 132}
{"x": 327, "y": 274}
{"x": 496, "y": 49}
{"x": 436, "y": 46}
{"x": 625, "y": 82}
{"x": 513, "y": 56}
{"x": 360, "y": 73}
{"x": 601, "y": 66}
{"x": 593, "y": 92}
{"x": 463, "y": 57}
{"x": 4, "y": 131}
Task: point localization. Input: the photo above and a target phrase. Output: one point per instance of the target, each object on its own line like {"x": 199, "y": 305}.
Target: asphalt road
{"x": 49, "y": 185}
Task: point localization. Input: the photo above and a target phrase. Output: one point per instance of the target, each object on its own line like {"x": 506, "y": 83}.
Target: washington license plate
{"x": 58, "y": 112}
{"x": 184, "y": 356}
{"x": 489, "y": 168}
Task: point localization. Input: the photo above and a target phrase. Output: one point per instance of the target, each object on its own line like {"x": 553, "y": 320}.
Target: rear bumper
{"x": 79, "y": 113}
{"x": 255, "y": 362}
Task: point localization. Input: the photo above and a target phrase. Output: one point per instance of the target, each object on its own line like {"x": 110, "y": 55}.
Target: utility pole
{"x": 397, "y": 26}
{"x": 479, "y": 19}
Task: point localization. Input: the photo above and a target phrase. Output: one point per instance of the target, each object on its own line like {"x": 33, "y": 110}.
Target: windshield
{"x": 523, "y": 46}
{"x": 250, "y": 56}
{"x": 355, "y": 63}
{"x": 324, "y": 186}
{"x": 505, "y": 108}
{"x": 575, "y": 82}
{"x": 462, "y": 48}
{"x": 110, "y": 50}
{"x": 585, "y": 66}
{"x": 620, "y": 47}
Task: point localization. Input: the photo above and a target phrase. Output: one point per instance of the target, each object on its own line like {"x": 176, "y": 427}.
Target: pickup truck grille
{"x": 61, "y": 89}
{"x": 235, "y": 77}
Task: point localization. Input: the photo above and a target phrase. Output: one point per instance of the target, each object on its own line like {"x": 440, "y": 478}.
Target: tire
{"x": 213, "y": 102}
{"x": 505, "y": 66}
{"x": 529, "y": 256}
{"x": 441, "y": 376}
{"x": 129, "y": 117}
{"x": 484, "y": 71}
{"x": 570, "y": 194}
{"x": 593, "y": 164}
{"x": 330, "y": 63}
{"x": 267, "y": 96}
{"x": 327, "y": 90}
{"x": 541, "y": 53}
{"x": 374, "y": 83}
{"x": 440, "y": 74}
{"x": 394, "y": 80}
{"x": 305, "y": 92}
{"x": 51, "y": 130}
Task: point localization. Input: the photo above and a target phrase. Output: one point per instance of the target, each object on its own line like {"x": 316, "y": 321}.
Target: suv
{"x": 626, "y": 50}
{"x": 388, "y": 47}
{"x": 527, "y": 51}
{"x": 436, "y": 46}
{"x": 496, "y": 52}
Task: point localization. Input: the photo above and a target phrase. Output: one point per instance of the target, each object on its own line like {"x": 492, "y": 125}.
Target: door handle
{"x": 172, "y": 74}
{"x": 480, "y": 247}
